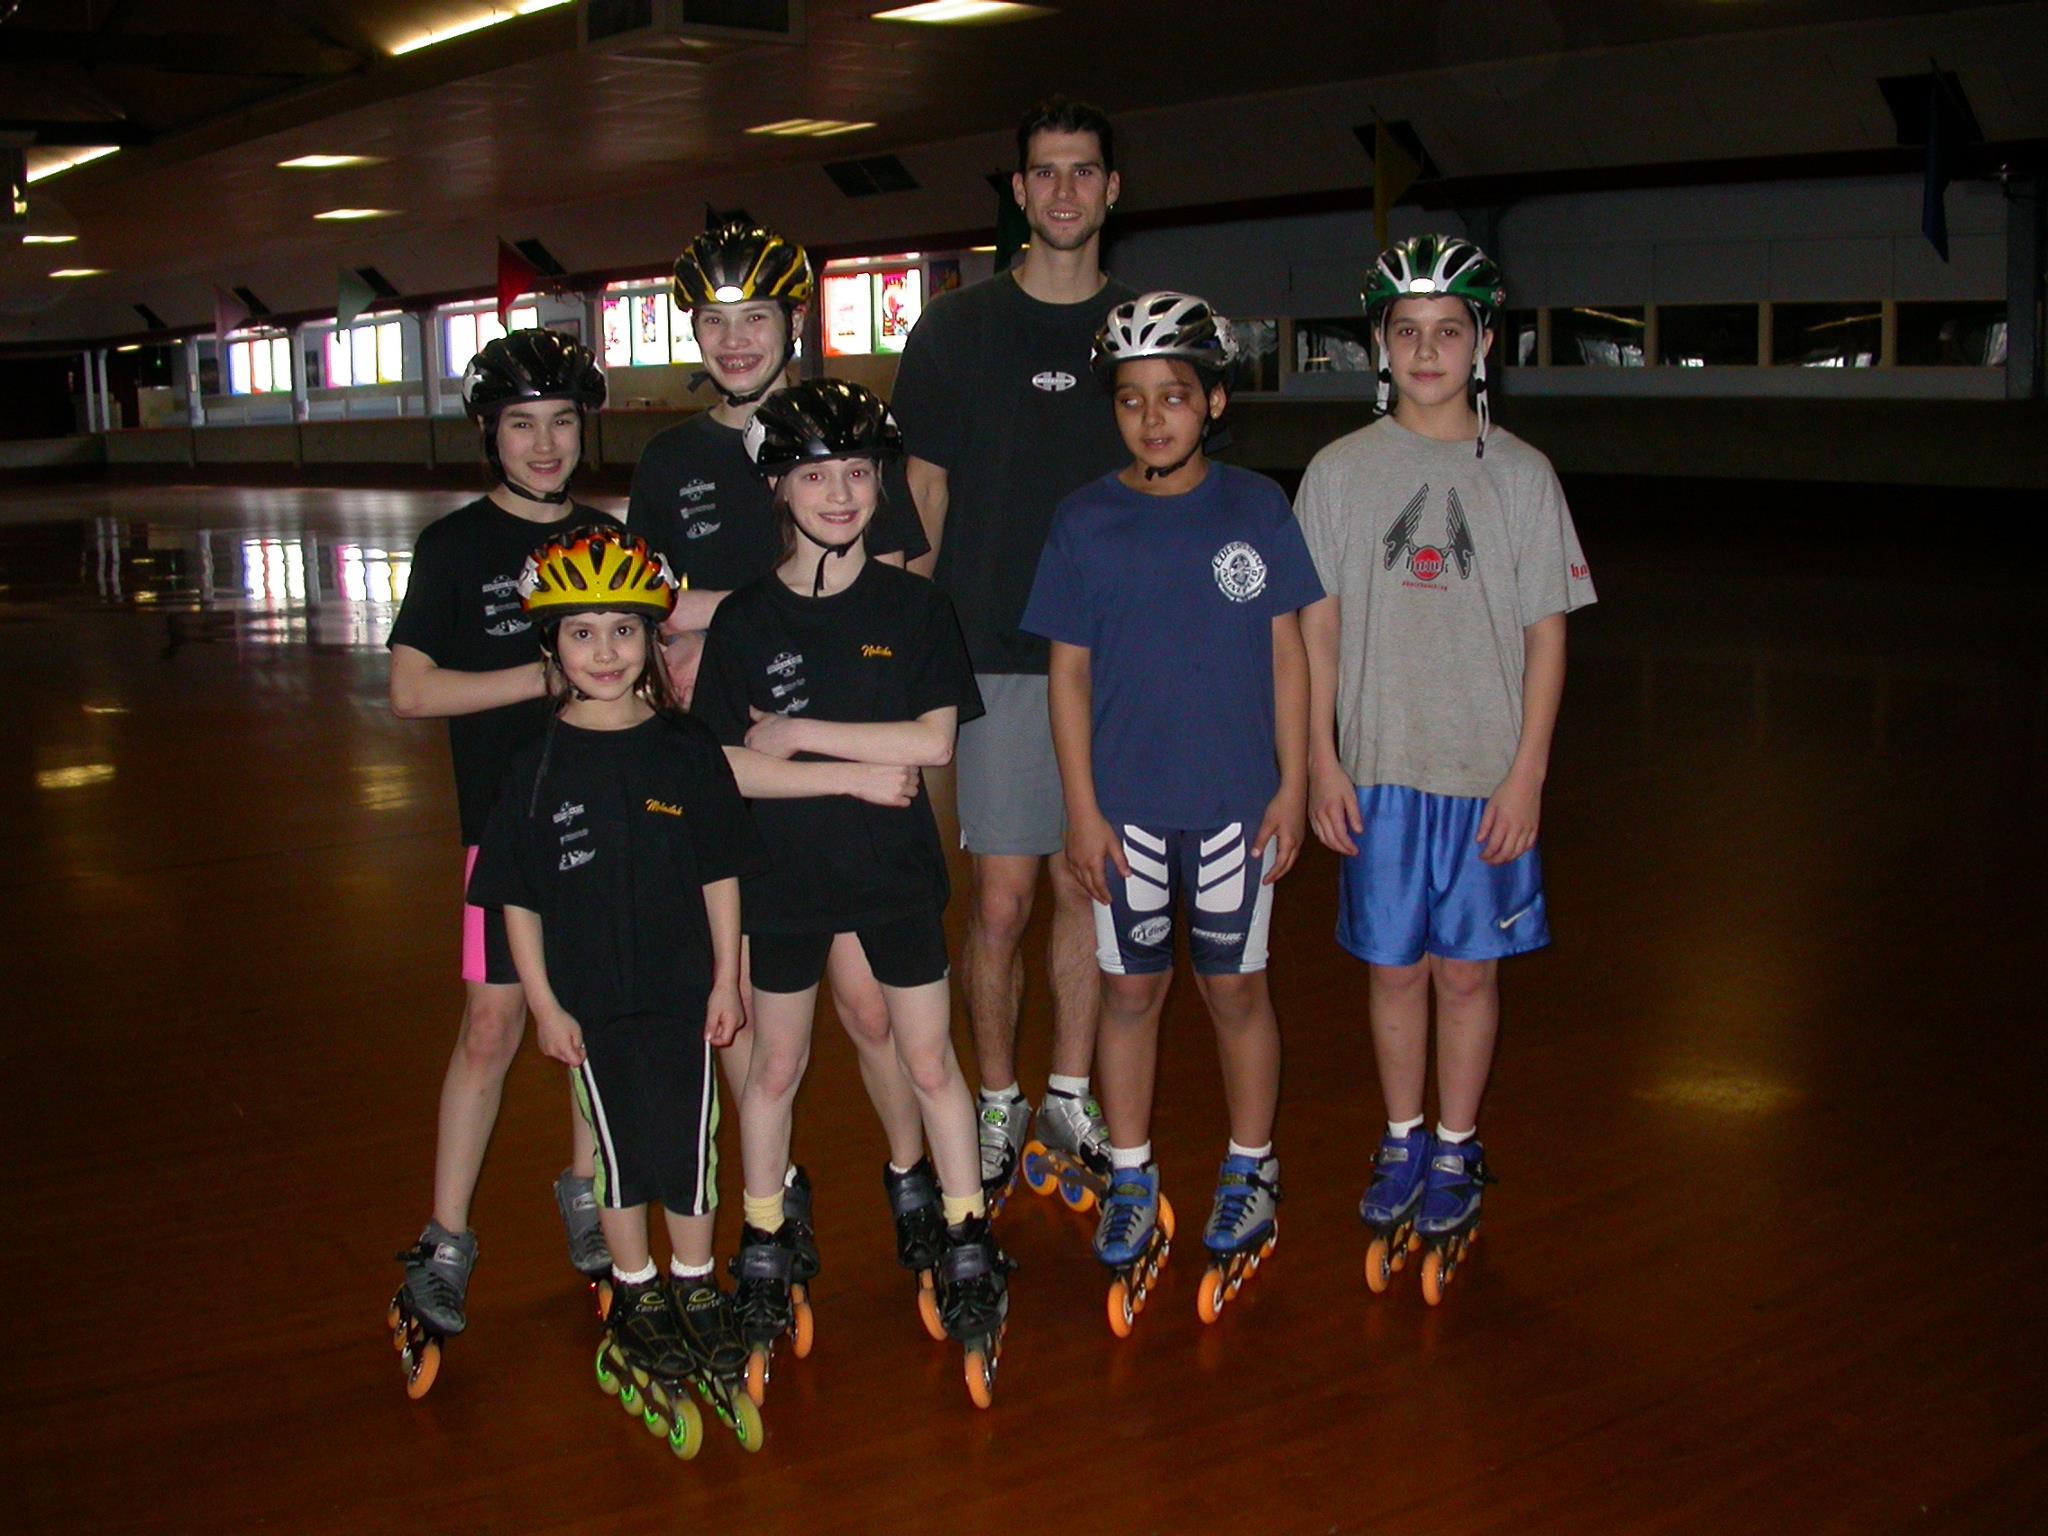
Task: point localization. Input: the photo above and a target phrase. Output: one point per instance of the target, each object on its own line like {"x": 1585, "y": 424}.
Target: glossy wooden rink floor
{"x": 1765, "y": 1255}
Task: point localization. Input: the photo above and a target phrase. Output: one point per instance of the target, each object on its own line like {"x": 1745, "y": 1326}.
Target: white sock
{"x": 1454, "y": 1137}
{"x": 899, "y": 1172}
{"x": 1399, "y": 1128}
{"x": 1072, "y": 1087}
{"x": 1256, "y": 1153}
{"x": 638, "y": 1277}
{"x": 789, "y": 1177}
{"x": 1130, "y": 1157}
{"x": 684, "y": 1271}
{"x": 1010, "y": 1092}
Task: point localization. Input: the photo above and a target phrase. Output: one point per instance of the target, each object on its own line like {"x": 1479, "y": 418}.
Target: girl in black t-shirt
{"x": 615, "y": 853}
{"x": 832, "y": 682}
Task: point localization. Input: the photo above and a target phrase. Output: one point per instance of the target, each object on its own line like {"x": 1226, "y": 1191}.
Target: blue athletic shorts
{"x": 1229, "y": 906}
{"x": 1418, "y": 886}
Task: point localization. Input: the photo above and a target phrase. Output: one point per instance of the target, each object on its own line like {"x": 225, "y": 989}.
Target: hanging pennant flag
{"x": 1941, "y": 137}
{"x": 1013, "y": 230}
{"x": 229, "y": 314}
{"x": 516, "y": 277}
{"x": 1393, "y": 172}
{"x": 353, "y": 296}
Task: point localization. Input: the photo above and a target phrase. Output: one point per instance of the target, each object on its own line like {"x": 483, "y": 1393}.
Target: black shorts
{"x": 647, "y": 1088}
{"x": 902, "y": 952}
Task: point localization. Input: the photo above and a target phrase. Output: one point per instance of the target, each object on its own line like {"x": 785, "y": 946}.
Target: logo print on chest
{"x": 1053, "y": 380}
{"x": 1239, "y": 571}
{"x": 1428, "y": 562}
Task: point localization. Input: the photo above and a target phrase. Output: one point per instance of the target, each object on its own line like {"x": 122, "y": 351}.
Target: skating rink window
{"x": 1827, "y": 335}
{"x": 870, "y": 307}
{"x": 643, "y": 328}
{"x": 260, "y": 365}
{"x": 371, "y": 352}
{"x": 1707, "y": 335}
{"x": 468, "y": 333}
{"x": 1597, "y": 336}
{"x": 1952, "y": 334}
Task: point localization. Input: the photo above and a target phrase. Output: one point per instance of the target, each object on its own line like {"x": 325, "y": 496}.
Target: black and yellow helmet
{"x": 736, "y": 261}
{"x": 596, "y": 568}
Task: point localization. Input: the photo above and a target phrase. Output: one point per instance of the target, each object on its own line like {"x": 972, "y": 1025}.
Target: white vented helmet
{"x": 1170, "y": 325}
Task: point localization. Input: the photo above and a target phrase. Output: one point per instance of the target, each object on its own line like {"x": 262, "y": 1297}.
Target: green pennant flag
{"x": 1013, "y": 230}
{"x": 354, "y": 297}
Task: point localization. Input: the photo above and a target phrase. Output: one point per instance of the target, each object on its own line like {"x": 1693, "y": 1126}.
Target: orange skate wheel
{"x": 426, "y": 1366}
{"x": 757, "y": 1376}
{"x": 1121, "y": 1313}
{"x": 1166, "y": 1217}
{"x": 928, "y": 1311}
{"x": 1433, "y": 1278}
{"x": 1379, "y": 1266}
{"x": 1209, "y": 1301}
{"x": 1039, "y": 1177}
{"x": 806, "y": 1329}
{"x": 981, "y": 1383}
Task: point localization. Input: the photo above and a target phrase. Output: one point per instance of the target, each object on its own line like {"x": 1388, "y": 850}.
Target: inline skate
{"x": 1069, "y": 1151}
{"x": 429, "y": 1306}
{"x": 1244, "y": 1227}
{"x": 770, "y": 1302}
{"x": 1449, "y": 1222}
{"x": 796, "y": 1217}
{"x": 920, "y": 1232}
{"x": 1400, "y": 1168}
{"x": 642, "y": 1362}
{"x": 1133, "y": 1238}
{"x": 717, "y": 1351}
{"x": 972, "y": 1299}
{"x": 1001, "y": 1126}
{"x": 576, "y": 1199}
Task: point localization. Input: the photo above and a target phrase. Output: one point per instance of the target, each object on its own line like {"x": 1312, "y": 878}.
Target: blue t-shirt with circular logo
{"x": 1174, "y": 599}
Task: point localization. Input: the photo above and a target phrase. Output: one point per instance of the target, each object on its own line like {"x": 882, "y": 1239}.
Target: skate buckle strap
{"x": 764, "y": 1261}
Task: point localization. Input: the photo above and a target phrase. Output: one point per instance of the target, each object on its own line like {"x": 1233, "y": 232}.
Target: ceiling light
{"x": 490, "y": 18}
{"x": 133, "y": 346}
{"x": 964, "y": 13}
{"x": 75, "y": 778}
{"x": 357, "y": 213}
{"x": 78, "y": 272}
{"x": 47, "y": 239}
{"x": 809, "y": 128}
{"x": 55, "y": 163}
{"x": 328, "y": 162}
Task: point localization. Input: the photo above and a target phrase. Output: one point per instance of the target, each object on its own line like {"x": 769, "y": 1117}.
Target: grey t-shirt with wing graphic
{"x": 1439, "y": 560}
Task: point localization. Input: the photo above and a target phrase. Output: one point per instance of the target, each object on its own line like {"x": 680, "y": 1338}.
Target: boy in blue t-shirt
{"x": 1180, "y": 717}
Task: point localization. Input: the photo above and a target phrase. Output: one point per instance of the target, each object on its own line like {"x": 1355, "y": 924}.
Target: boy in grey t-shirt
{"x": 1436, "y": 666}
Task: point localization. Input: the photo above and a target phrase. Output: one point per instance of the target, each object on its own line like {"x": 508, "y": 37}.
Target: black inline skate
{"x": 920, "y": 1231}
{"x": 642, "y": 1362}
{"x": 576, "y": 1199}
{"x": 972, "y": 1296}
{"x": 717, "y": 1349}
{"x": 770, "y": 1302}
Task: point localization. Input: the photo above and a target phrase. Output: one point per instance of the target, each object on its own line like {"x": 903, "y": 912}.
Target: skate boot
{"x": 429, "y": 1306}
{"x": 641, "y": 1361}
{"x": 577, "y": 1200}
{"x": 920, "y": 1224}
{"x": 1400, "y": 1168}
{"x": 1244, "y": 1226}
{"x": 770, "y": 1302}
{"x": 1133, "y": 1238}
{"x": 796, "y": 1215}
{"x": 1069, "y": 1151}
{"x": 1002, "y": 1125}
{"x": 973, "y": 1301}
{"x": 1450, "y": 1210}
{"x": 717, "y": 1349}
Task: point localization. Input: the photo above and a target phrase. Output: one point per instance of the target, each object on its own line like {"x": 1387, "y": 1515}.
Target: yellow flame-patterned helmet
{"x": 596, "y": 568}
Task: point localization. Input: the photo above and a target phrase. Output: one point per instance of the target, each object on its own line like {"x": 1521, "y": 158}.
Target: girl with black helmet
{"x": 697, "y": 499}
{"x": 833, "y": 681}
{"x": 461, "y": 649}
{"x": 615, "y": 854}
{"x": 1437, "y": 666}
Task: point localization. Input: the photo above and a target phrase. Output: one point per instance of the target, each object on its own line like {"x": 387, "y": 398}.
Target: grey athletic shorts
{"x": 1006, "y": 779}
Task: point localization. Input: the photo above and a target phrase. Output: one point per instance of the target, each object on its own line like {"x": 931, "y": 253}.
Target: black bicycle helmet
{"x": 523, "y": 366}
{"x": 820, "y": 419}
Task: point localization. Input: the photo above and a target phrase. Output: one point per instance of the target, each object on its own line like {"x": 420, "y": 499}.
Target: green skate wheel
{"x": 606, "y": 1381}
{"x": 686, "y": 1437}
{"x": 746, "y": 1424}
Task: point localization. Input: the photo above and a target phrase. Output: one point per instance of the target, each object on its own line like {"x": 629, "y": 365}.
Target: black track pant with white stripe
{"x": 648, "y": 1089}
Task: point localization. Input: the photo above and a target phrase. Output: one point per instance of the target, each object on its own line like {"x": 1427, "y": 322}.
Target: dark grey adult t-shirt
{"x": 995, "y": 389}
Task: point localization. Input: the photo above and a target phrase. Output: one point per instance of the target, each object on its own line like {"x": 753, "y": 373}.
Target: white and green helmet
{"x": 1434, "y": 267}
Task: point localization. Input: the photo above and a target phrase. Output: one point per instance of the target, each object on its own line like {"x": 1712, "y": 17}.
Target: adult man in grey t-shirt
{"x": 1003, "y": 420}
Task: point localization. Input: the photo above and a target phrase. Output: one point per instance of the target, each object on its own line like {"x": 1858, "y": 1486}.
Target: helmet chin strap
{"x": 497, "y": 463}
{"x": 1173, "y": 469}
{"x": 827, "y": 551}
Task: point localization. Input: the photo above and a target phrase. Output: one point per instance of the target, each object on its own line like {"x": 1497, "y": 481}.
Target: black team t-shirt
{"x": 462, "y": 609}
{"x": 886, "y": 649}
{"x": 996, "y": 390}
{"x": 613, "y": 850}
{"x": 697, "y": 498}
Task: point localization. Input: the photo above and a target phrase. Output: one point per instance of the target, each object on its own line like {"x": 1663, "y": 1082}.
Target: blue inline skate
{"x": 1244, "y": 1226}
{"x": 1400, "y": 1168}
{"x": 1133, "y": 1238}
{"x": 1450, "y": 1210}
